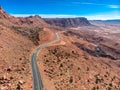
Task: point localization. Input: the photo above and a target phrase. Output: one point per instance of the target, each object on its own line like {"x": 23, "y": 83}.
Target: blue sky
{"x": 92, "y": 9}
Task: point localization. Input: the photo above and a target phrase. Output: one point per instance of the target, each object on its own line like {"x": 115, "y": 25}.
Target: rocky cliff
{"x": 29, "y": 26}
{"x": 68, "y": 22}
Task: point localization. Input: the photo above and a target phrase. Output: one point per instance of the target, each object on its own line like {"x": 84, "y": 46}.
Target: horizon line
{"x": 89, "y": 17}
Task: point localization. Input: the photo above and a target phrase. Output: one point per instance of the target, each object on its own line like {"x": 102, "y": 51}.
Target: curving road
{"x": 37, "y": 80}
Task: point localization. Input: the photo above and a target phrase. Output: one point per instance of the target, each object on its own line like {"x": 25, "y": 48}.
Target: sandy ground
{"x": 47, "y": 35}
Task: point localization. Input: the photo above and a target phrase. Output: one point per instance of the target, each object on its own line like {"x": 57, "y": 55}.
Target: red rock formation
{"x": 68, "y": 22}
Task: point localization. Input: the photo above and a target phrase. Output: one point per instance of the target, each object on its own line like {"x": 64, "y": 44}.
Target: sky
{"x": 91, "y": 9}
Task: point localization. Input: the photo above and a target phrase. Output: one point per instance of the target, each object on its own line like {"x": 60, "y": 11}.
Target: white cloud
{"x": 107, "y": 5}
{"x": 22, "y": 15}
{"x": 113, "y": 6}
{"x": 93, "y": 3}
{"x": 103, "y": 17}
{"x": 86, "y": 3}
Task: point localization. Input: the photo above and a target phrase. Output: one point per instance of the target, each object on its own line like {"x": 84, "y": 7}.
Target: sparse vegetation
{"x": 95, "y": 88}
{"x": 98, "y": 79}
{"x": 71, "y": 80}
{"x": 83, "y": 59}
{"x": 32, "y": 32}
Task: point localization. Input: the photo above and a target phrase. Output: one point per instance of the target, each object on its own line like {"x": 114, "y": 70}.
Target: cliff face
{"x": 2, "y": 13}
{"x": 68, "y": 22}
{"x": 30, "y": 26}
{"x": 31, "y": 21}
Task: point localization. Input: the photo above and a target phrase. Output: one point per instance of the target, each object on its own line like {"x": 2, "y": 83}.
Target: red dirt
{"x": 14, "y": 63}
{"x": 91, "y": 67}
{"x": 47, "y": 36}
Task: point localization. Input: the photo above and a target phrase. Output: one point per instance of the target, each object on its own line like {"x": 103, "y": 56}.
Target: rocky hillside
{"x": 86, "y": 58}
{"x": 3, "y": 14}
{"x": 81, "y": 63}
{"x": 15, "y": 51}
{"x": 17, "y": 38}
{"x": 11, "y": 20}
{"x": 29, "y": 26}
{"x": 68, "y": 22}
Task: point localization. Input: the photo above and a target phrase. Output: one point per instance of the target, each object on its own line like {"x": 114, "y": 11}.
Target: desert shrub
{"x": 71, "y": 80}
{"x": 95, "y": 88}
{"x": 99, "y": 79}
{"x": 110, "y": 85}
{"x": 109, "y": 88}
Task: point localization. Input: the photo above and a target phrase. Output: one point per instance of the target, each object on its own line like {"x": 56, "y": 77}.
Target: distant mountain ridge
{"x": 114, "y": 20}
{"x": 68, "y": 22}
{"x": 9, "y": 20}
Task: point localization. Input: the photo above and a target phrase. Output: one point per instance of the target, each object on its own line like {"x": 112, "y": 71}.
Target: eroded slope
{"x": 71, "y": 66}
{"x": 14, "y": 59}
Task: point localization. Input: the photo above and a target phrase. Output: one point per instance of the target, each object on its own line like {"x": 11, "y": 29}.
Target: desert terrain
{"x": 87, "y": 57}
{"x": 18, "y": 38}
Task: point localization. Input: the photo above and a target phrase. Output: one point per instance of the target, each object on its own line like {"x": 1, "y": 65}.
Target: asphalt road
{"x": 37, "y": 80}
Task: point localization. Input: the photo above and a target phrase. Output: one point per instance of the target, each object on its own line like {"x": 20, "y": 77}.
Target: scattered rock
{"x": 21, "y": 82}
{"x": 4, "y": 88}
{"x": 9, "y": 70}
{"x": 18, "y": 87}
